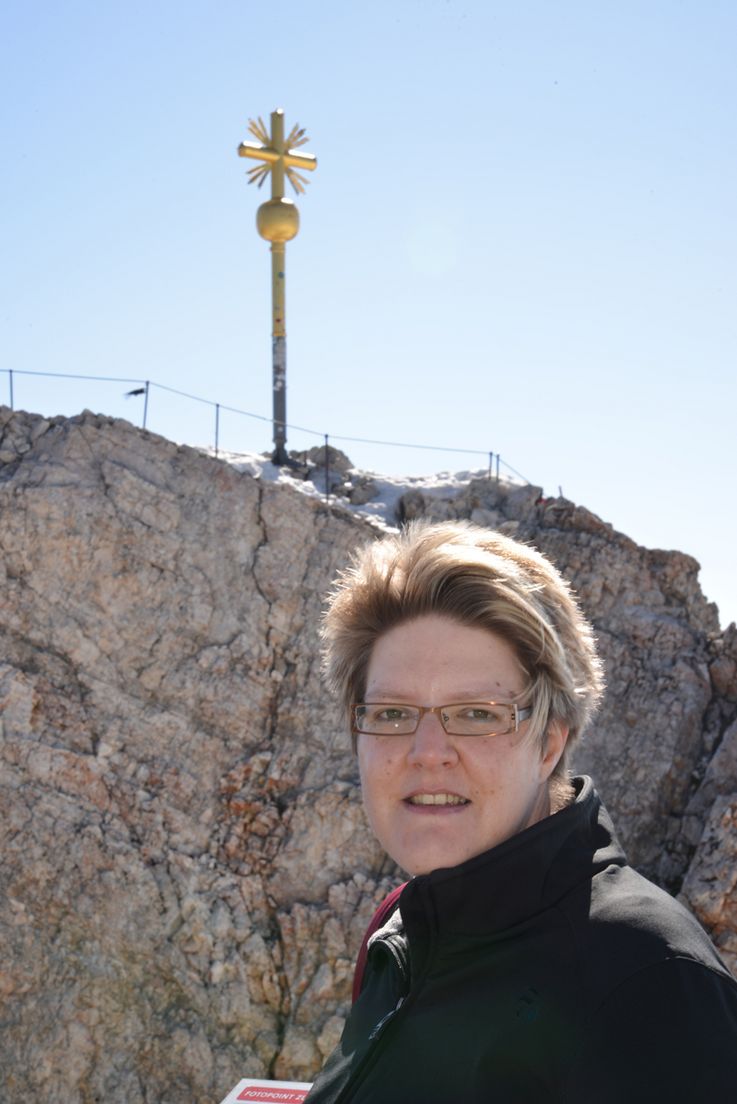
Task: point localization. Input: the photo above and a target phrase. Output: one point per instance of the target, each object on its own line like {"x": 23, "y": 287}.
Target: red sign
{"x": 273, "y": 1095}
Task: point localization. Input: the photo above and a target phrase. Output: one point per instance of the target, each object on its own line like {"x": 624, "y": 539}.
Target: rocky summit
{"x": 185, "y": 865}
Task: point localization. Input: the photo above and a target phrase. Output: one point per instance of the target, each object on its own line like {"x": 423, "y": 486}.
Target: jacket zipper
{"x": 377, "y": 1032}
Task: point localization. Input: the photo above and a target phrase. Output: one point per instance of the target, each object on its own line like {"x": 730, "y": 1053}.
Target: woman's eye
{"x": 477, "y": 713}
{"x": 482, "y": 714}
{"x": 390, "y": 714}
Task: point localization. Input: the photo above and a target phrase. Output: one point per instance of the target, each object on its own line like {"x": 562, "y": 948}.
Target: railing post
{"x": 327, "y": 471}
{"x": 217, "y": 427}
{"x": 10, "y": 375}
{"x": 145, "y": 405}
{"x": 497, "y": 467}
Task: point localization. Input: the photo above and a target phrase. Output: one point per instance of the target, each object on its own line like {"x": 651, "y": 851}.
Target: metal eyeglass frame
{"x": 517, "y": 715}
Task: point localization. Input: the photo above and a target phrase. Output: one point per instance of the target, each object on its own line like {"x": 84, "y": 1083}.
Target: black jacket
{"x": 545, "y": 969}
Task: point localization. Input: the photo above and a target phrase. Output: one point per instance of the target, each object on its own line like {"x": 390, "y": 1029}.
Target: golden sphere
{"x": 277, "y": 220}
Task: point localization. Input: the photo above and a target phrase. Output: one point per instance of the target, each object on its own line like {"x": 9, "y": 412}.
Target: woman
{"x": 526, "y": 961}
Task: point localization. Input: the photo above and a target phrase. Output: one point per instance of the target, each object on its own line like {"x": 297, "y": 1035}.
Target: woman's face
{"x": 501, "y": 781}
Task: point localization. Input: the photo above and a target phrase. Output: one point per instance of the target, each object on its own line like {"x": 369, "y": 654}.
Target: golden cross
{"x": 278, "y": 156}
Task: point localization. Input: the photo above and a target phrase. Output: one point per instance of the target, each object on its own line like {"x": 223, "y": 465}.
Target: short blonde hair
{"x": 476, "y": 577}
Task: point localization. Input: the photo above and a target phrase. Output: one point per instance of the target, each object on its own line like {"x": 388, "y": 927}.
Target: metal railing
{"x": 144, "y": 387}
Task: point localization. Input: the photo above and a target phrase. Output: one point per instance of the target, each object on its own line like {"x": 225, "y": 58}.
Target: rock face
{"x": 185, "y": 866}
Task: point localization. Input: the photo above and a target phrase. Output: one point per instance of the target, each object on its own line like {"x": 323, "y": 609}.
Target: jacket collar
{"x": 517, "y": 879}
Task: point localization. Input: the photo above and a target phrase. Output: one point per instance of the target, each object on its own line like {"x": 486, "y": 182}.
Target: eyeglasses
{"x": 460, "y": 719}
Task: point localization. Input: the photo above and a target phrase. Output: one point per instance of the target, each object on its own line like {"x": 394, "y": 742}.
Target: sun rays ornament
{"x": 274, "y": 147}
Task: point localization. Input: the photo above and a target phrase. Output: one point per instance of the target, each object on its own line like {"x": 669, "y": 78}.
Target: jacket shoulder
{"x": 623, "y": 924}
{"x": 667, "y": 1033}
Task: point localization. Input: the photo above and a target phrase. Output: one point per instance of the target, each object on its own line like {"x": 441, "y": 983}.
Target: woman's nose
{"x": 431, "y": 744}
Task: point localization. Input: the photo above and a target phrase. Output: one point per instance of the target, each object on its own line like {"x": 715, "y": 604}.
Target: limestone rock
{"x": 362, "y": 490}
{"x": 186, "y": 867}
{"x": 413, "y": 505}
{"x": 327, "y": 467}
{"x": 723, "y": 668}
{"x": 710, "y": 885}
{"x": 710, "y": 889}
{"x": 179, "y": 798}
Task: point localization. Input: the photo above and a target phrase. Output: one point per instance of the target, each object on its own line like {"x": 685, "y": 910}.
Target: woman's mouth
{"x": 436, "y": 799}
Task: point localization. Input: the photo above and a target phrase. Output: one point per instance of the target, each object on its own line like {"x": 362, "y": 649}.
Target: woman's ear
{"x": 555, "y": 743}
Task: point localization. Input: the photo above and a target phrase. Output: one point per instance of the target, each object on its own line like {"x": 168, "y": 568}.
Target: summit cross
{"x": 277, "y": 221}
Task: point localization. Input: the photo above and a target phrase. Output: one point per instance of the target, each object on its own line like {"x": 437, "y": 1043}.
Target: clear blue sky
{"x": 520, "y": 236}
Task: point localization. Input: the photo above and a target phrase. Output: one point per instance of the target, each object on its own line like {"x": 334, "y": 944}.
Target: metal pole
{"x": 497, "y": 467}
{"x": 327, "y": 470}
{"x": 278, "y": 301}
{"x": 491, "y": 458}
{"x": 10, "y": 374}
{"x": 145, "y": 405}
{"x": 279, "y": 351}
{"x": 217, "y": 426}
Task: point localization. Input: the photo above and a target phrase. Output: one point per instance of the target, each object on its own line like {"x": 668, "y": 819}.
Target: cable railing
{"x": 144, "y": 388}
